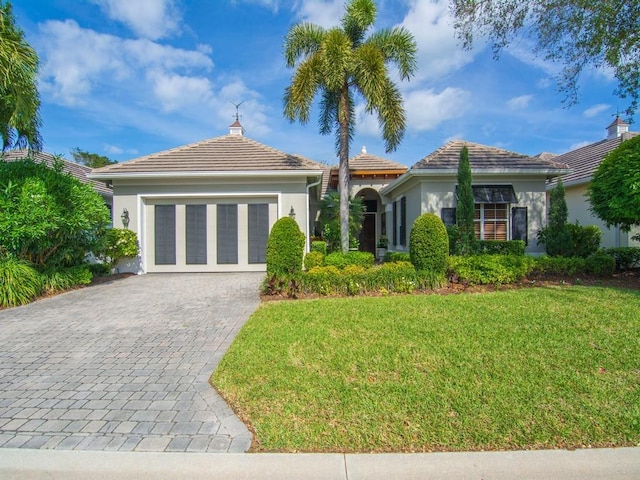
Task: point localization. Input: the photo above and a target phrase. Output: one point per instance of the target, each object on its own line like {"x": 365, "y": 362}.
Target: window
{"x": 258, "y": 232}
{"x": 165, "y": 234}
{"x": 196, "y": 234}
{"x": 227, "y": 235}
{"x": 394, "y": 223}
{"x": 492, "y": 221}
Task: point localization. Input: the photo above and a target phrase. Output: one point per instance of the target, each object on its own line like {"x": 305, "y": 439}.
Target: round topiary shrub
{"x": 285, "y": 248}
{"x": 429, "y": 244}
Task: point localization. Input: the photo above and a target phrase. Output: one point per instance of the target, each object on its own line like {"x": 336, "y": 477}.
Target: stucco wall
{"x": 140, "y": 198}
{"x": 432, "y": 194}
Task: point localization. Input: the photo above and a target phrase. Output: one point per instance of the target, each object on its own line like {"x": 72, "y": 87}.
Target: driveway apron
{"x": 124, "y": 366}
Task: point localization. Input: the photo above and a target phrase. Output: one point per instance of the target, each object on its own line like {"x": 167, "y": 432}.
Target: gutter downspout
{"x": 309, "y": 187}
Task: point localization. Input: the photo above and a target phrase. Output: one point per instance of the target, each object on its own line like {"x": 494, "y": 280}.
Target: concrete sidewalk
{"x": 590, "y": 464}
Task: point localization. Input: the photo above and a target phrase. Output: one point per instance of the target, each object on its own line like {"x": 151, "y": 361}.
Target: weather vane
{"x": 237, "y": 105}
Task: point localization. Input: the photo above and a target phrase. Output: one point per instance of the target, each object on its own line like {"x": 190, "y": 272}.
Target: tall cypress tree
{"x": 465, "y": 206}
{"x": 558, "y": 238}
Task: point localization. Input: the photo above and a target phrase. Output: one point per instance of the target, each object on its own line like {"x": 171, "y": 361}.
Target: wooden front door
{"x": 368, "y": 234}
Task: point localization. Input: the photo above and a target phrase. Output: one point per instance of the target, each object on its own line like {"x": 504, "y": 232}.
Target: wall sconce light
{"x": 125, "y": 218}
{"x": 292, "y": 213}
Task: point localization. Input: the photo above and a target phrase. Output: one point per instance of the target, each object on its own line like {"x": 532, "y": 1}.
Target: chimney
{"x": 617, "y": 128}
{"x": 236, "y": 128}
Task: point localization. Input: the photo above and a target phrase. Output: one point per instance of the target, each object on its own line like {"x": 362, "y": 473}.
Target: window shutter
{"x": 258, "y": 232}
{"x": 394, "y": 223}
{"x": 196, "y": 234}
{"x": 165, "y": 234}
{"x": 227, "y": 234}
{"x": 403, "y": 221}
{"x": 519, "y": 225}
{"x": 448, "y": 216}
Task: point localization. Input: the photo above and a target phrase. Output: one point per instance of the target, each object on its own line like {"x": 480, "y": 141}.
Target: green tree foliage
{"x": 340, "y": 64}
{"x": 92, "y": 160}
{"x": 465, "y": 207}
{"x": 557, "y": 237}
{"x": 574, "y": 33}
{"x": 429, "y": 244}
{"x": 47, "y": 217}
{"x": 614, "y": 192}
{"x": 330, "y": 219}
{"x": 285, "y": 248}
{"x": 19, "y": 98}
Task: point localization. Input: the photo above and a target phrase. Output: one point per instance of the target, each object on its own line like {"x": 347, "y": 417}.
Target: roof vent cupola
{"x": 617, "y": 128}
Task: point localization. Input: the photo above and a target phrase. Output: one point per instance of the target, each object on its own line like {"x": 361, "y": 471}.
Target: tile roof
{"x": 584, "y": 161}
{"x": 366, "y": 161}
{"x": 75, "y": 169}
{"x": 482, "y": 157}
{"x": 227, "y": 153}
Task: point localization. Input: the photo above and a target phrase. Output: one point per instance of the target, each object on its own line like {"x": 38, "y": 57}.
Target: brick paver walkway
{"x": 124, "y": 366}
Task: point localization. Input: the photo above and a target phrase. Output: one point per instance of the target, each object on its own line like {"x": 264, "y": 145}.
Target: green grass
{"x": 522, "y": 369}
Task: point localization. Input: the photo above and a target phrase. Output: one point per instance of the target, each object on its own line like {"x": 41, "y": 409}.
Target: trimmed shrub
{"x": 559, "y": 265}
{"x": 313, "y": 259}
{"x": 20, "y": 283}
{"x": 392, "y": 257}
{"x": 626, "y": 257}
{"x": 429, "y": 243}
{"x": 600, "y": 265}
{"x": 585, "y": 240}
{"x": 341, "y": 260}
{"x": 285, "y": 247}
{"x": 497, "y": 247}
{"x": 59, "y": 279}
{"x": 99, "y": 269}
{"x": 489, "y": 269}
{"x": 319, "y": 246}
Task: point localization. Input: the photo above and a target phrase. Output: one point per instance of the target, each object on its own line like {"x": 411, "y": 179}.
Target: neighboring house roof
{"x": 228, "y": 153}
{"x": 72, "y": 168}
{"x": 584, "y": 161}
{"x": 483, "y": 157}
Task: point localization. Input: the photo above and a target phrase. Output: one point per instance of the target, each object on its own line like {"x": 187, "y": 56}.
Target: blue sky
{"x": 126, "y": 78}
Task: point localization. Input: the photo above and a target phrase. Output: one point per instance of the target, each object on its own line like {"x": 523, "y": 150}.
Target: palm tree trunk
{"x": 343, "y": 170}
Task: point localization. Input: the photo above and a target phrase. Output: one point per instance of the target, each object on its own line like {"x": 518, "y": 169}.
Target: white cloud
{"x": 76, "y": 62}
{"x": 439, "y": 53}
{"x": 327, "y": 14}
{"x": 595, "y": 110}
{"x": 113, "y": 149}
{"x": 100, "y": 75}
{"x": 151, "y": 19}
{"x": 427, "y": 109}
{"x": 575, "y": 146}
{"x": 520, "y": 103}
{"x": 455, "y": 136}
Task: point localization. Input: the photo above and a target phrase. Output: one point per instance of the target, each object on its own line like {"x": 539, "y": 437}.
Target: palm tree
{"x": 19, "y": 99}
{"x": 341, "y": 63}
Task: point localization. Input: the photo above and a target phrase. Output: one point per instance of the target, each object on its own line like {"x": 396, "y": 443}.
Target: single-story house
{"x": 209, "y": 206}
{"x": 509, "y": 190}
{"x": 72, "y": 168}
{"x": 583, "y": 162}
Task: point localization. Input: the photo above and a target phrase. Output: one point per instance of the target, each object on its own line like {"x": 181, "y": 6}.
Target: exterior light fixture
{"x": 125, "y": 218}
{"x": 292, "y": 213}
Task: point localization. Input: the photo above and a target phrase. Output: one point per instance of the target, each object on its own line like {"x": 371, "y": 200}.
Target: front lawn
{"x": 546, "y": 367}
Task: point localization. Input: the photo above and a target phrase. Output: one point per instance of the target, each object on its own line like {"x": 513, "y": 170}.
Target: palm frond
{"x": 303, "y": 40}
{"x": 359, "y": 16}
{"x": 398, "y": 46}
{"x": 298, "y": 97}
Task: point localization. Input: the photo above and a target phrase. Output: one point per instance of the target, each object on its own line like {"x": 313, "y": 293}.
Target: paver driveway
{"x": 124, "y": 365}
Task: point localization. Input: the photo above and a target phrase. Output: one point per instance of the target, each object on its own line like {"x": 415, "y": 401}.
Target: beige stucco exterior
{"x": 578, "y": 210}
{"x": 431, "y": 193}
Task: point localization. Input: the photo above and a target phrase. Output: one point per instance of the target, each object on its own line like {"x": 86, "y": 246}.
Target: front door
{"x": 368, "y": 234}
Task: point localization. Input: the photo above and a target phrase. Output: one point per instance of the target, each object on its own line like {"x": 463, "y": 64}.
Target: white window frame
{"x": 482, "y": 220}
